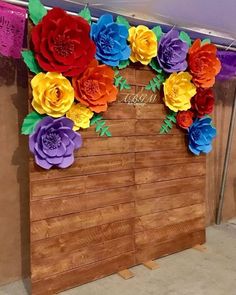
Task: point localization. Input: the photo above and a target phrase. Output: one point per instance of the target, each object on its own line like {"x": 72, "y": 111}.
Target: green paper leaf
{"x": 120, "y": 82}
{"x": 95, "y": 119}
{"x": 158, "y": 32}
{"x": 156, "y": 82}
{"x": 123, "y": 21}
{"x": 206, "y": 41}
{"x": 123, "y": 64}
{"x": 185, "y": 37}
{"x": 155, "y": 65}
{"x": 168, "y": 122}
{"x": 30, "y": 122}
{"x": 36, "y": 11}
{"x": 30, "y": 61}
{"x": 86, "y": 14}
{"x": 108, "y": 133}
{"x": 100, "y": 123}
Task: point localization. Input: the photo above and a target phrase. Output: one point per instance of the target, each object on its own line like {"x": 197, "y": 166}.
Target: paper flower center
{"x": 196, "y": 134}
{"x": 52, "y": 141}
{"x": 200, "y": 64}
{"x": 63, "y": 45}
{"x": 91, "y": 87}
{"x": 106, "y": 42}
{"x": 168, "y": 53}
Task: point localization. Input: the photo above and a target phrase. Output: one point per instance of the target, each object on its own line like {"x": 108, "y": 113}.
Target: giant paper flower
{"x": 52, "y": 94}
{"x": 143, "y": 42}
{"x": 184, "y": 119}
{"x": 201, "y": 134}
{"x": 94, "y": 88}
{"x": 178, "y": 91}
{"x": 80, "y": 115}
{"x": 111, "y": 40}
{"x": 172, "y": 52}
{"x": 53, "y": 142}
{"x": 203, "y": 64}
{"x": 203, "y": 102}
{"x": 62, "y": 43}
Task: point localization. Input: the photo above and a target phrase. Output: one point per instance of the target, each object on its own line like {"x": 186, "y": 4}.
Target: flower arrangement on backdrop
{"x": 76, "y": 65}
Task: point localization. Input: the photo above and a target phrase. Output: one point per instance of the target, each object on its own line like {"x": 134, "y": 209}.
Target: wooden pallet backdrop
{"x": 127, "y": 199}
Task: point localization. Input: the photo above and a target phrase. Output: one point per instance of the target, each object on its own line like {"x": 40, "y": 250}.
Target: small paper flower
{"x": 62, "y": 43}
{"x": 53, "y": 142}
{"x": 201, "y": 134}
{"x": 52, "y": 94}
{"x": 80, "y": 115}
{"x": 178, "y": 91}
{"x": 203, "y": 102}
{"x": 143, "y": 42}
{"x": 184, "y": 119}
{"x": 111, "y": 40}
{"x": 203, "y": 64}
{"x": 172, "y": 53}
{"x": 94, "y": 88}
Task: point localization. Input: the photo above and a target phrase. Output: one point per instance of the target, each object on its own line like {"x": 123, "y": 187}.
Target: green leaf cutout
{"x": 156, "y": 83}
{"x": 155, "y": 65}
{"x": 123, "y": 64}
{"x": 120, "y": 82}
{"x": 101, "y": 127}
{"x": 168, "y": 122}
{"x": 123, "y": 21}
{"x": 36, "y": 11}
{"x": 158, "y": 32}
{"x": 185, "y": 37}
{"x": 30, "y": 122}
{"x": 206, "y": 41}
{"x": 86, "y": 14}
{"x": 30, "y": 61}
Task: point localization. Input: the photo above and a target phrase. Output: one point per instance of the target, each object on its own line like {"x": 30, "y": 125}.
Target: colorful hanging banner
{"x": 12, "y": 26}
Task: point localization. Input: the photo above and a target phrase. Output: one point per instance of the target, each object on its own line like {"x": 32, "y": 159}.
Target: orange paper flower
{"x": 94, "y": 88}
{"x": 203, "y": 64}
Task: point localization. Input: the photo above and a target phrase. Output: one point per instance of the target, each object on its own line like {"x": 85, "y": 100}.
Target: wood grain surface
{"x": 127, "y": 199}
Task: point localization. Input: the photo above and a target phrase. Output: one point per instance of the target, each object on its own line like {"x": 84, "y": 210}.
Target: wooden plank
{"x": 158, "y": 250}
{"x": 168, "y": 187}
{"x": 59, "y": 225}
{"x": 158, "y": 142}
{"x": 120, "y": 111}
{"x": 168, "y": 233}
{"x": 153, "y": 205}
{"x": 165, "y": 157}
{"x": 106, "y": 146}
{"x": 161, "y": 219}
{"x": 152, "y": 265}
{"x": 70, "y": 242}
{"x": 60, "y": 263}
{"x": 86, "y": 165}
{"x": 126, "y": 274}
{"x": 150, "y": 111}
{"x": 175, "y": 171}
{"x": 200, "y": 248}
{"x": 81, "y": 184}
{"x": 46, "y": 208}
{"x": 152, "y": 127}
{"x": 56, "y": 283}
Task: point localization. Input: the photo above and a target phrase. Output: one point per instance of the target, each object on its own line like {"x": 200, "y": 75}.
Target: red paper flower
{"x": 94, "y": 88}
{"x": 203, "y": 102}
{"x": 185, "y": 119}
{"x": 203, "y": 64}
{"x": 62, "y": 43}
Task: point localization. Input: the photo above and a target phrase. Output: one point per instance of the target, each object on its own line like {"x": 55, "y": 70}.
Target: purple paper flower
{"x": 53, "y": 142}
{"x": 172, "y": 52}
{"x": 228, "y": 64}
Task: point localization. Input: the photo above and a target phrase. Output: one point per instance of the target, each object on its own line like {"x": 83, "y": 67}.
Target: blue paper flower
{"x": 111, "y": 40}
{"x": 201, "y": 134}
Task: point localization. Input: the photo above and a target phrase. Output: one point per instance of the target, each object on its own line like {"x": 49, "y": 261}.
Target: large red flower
{"x": 203, "y": 64}
{"x": 62, "y": 43}
{"x": 203, "y": 102}
{"x": 94, "y": 88}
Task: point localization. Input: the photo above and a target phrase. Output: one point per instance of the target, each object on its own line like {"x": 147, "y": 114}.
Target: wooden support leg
{"x": 201, "y": 248}
{"x": 126, "y": 274}
{"x": 151, "y": 265}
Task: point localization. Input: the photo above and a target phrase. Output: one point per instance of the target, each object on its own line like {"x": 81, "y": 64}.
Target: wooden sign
{"x": 129, "y": 198}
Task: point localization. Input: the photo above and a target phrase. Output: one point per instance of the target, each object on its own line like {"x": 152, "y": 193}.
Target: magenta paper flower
{"x": 53, "y": 142}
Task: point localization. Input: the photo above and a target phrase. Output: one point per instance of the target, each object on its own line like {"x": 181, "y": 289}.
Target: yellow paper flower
{"x": 143, "y": 43}
{"x": 80, "y": 115}
{"x": 178, "y": 91}
{"x": 52, "y": 94}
